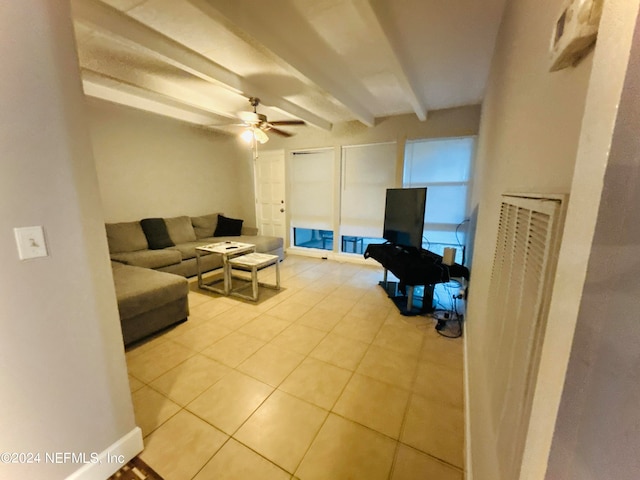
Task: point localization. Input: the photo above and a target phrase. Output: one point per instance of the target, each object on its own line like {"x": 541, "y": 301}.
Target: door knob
{"x": 282, "y": 210}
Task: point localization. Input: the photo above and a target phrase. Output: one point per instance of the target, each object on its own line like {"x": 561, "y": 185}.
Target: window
{"x": 444, "y": 167}
{"x": 367, "y": 172}
{"x": 311, "y": 199}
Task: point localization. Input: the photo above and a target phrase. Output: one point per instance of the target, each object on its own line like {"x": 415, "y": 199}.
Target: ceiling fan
{"x": 257, "y": 124}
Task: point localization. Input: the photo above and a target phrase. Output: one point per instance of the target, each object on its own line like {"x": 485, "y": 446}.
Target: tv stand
{"x": 395, "y": 289}
{"x": 413, "y": 268}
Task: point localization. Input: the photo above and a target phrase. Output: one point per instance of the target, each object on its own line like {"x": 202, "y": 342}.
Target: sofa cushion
{"x": 228, "y": 227}
{"x": 126, "y": 237}
{"x": 148, "y": 258}
{"x": 180, "y": 229}
{"x": 139, "y": 288}
{"x": 156, "y": 232}
{"x": 188, "y": 250}
{"x": 205, "y": 225}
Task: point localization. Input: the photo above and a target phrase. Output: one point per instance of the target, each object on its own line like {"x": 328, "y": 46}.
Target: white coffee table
{"x": 226, "y": 250}
{"x": 254, "y": 262}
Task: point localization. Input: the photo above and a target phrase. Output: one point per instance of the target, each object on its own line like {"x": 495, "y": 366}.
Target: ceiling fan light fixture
{"x": 260, "y": 136}
{"x": 253, "y": 133}
{"x": 247, "y": 135}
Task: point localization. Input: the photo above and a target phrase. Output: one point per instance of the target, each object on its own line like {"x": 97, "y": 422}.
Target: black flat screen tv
{"x": 404, "y": 216}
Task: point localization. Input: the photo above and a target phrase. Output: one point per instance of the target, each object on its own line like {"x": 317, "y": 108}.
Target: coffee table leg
{"x": 199, "y": 269}
{"x": 278, "y": 274}
{"x": 254, "y": 282}
{"x": 226, "y": 274}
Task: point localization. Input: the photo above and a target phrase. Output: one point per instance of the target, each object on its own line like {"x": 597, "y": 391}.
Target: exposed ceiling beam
{"x": 157, "y": 90}
{"x": 250, "y": 20}
{"x": 105, "y": 18}
{"x": 113, "y": 91}
{"x": 376, "y": 15}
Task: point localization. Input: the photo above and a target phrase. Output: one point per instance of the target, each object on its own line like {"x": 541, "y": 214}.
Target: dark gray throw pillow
{"x": 228, "y": 227}
{"x": 156, "y": 232}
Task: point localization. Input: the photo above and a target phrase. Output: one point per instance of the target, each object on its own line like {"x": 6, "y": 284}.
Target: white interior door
{"x": 270, "y": 193}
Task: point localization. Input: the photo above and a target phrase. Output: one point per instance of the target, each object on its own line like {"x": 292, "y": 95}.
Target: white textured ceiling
{"x": 321, "y": 61}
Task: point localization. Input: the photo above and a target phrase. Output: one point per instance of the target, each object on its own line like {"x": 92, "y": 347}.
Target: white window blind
{"x": 444, "y": 167}
{"x": 367, "y": 172}
{"x": 438, "y": 161}
{"x": 311, "y": 202}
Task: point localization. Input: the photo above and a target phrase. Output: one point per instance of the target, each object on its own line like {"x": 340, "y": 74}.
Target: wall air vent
{"x": 519, "y": 296}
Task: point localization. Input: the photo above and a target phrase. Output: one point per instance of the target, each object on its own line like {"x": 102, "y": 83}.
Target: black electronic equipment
{"x": 404, "y": 216}
{"x": 413, "y": 268}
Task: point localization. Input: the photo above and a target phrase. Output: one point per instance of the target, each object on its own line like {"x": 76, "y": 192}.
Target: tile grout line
{"x": 330, "y": 411}
{"x": 231, "y": 436}
{"x": 276, "y": 388}
{"x": 407, "y": 406}
{"x": 412, "y": 393}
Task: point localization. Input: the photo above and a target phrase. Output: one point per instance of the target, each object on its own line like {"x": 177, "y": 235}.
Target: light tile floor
{"x": 321, "y": 380}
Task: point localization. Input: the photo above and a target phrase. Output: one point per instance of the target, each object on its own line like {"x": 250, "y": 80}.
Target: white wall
{"x": 62, "y": 367}
{"x": 540, "y": 132}
{"x": 597, "y": 434}
{"x": 152, "y": 166}
{"x": 528, "y": 143}
{"x": 599, "y": 225}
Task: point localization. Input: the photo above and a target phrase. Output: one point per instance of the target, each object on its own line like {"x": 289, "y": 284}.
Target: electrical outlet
{"x": 31, "y": 243}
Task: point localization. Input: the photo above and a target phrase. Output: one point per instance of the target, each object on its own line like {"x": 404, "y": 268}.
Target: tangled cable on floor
{"x": 445, "y": 319}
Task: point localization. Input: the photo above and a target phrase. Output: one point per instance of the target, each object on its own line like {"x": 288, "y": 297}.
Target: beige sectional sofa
{"x": 150, "y": 281}
{"x": 128, "y": 244}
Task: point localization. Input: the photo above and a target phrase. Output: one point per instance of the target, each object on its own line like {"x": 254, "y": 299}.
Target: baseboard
{"x": 356, "y": 258}
{"x": 468, "y": 470}
{"x": 109, "y": 461}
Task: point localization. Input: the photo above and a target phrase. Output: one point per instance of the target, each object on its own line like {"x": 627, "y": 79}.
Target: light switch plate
{"x": 30, "y": 242}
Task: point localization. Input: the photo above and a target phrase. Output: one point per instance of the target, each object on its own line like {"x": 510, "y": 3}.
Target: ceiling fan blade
{"x": 282, "y": 133}
{"x": 288, "y": 122}
{"x": 259, "y": 123}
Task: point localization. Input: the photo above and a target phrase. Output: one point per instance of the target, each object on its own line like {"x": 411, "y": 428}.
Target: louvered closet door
{"x": 521, "y": 281}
